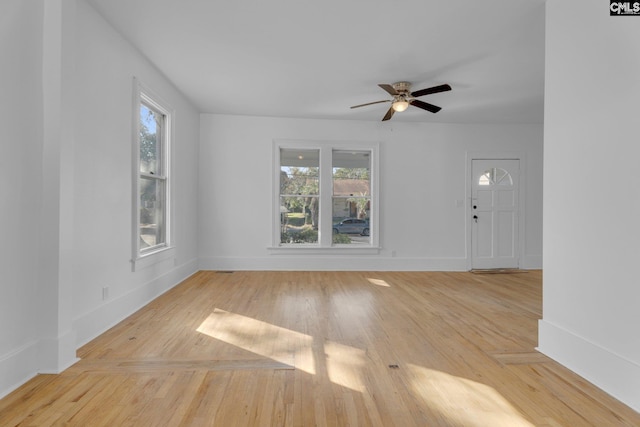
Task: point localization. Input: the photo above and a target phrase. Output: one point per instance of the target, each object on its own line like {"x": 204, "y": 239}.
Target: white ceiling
{"x": 316, "y": 58}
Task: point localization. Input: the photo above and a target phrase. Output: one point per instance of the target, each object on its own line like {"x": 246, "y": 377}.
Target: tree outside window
{"x": 325, "y": 196}
{"x": 152, "y": 187}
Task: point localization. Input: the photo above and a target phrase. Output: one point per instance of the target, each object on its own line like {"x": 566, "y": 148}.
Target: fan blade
{"x": 371, "y": 103}
{"x": 425, "y": 106}
{"x": 389, "y": 114}
{"x": 428, "y": 91}
{"x": 390, "y": 89}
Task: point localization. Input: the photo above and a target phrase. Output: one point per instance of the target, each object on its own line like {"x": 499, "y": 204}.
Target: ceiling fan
{"x": 402, "y": 98}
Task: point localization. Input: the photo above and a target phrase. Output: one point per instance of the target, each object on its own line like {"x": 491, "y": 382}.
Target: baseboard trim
{"x": 54, "y": 355}
{"x": 43, "y": 356}
{"x": 57, "y": 354}
{"x": 304, "y": 262}
{"x": 611, "y": 372}
{"x": 18, "y": 367}
{"x": 93, "y": 323}
{"x": 531, "y": 262}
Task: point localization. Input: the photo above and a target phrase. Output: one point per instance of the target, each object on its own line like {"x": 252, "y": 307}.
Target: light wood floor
{"x": 325, "y": 349}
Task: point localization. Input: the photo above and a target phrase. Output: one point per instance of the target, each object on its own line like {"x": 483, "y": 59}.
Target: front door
{"x": 494, "y": 213}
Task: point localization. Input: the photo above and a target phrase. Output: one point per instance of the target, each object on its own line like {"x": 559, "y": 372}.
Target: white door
{"x": 494, "y": 213}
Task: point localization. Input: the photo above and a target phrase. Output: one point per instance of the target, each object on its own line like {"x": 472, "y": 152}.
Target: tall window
{"x": 325, "y": 195}
{"x": 151, "y": 216}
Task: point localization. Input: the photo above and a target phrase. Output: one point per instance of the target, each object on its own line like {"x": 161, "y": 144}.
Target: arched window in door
{"x": 495, "y": 176}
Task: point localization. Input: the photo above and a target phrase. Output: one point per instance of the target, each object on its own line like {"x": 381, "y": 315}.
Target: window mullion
{"x": 153, "y": 176}
{"x": 326, "y": 193}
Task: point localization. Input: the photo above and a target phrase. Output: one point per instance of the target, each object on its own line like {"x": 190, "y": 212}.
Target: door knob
{"x": 475, "y": 217}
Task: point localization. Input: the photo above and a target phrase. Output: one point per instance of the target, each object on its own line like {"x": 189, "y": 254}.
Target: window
{"x": 495, "y": 176}
{"x": 325, "y": 195}
{"x": 152, "y": 178}
{"x": 299, "y": 195}
{"x": 351, "y": 196}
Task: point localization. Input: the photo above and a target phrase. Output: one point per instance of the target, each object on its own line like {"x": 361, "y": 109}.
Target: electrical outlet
{"x": 105, "y": 293}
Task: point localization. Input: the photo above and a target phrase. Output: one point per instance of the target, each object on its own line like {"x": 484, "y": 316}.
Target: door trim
{"x": 495, "y": 155}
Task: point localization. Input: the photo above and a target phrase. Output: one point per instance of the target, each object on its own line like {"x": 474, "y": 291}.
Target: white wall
{"x": 591, "y": 204}
{"x": 66, "y": 99}
{"x": 422, "y": 175}
{"x": 67, "y": 104}
{"x": 105, "y": 65}
{"x": 20, "y": 185}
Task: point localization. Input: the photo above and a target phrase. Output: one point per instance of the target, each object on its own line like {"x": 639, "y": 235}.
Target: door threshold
{"x": 497, "y": 271}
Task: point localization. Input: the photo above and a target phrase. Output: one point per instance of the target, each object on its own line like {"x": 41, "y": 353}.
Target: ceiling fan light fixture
{"x": 402, "y": 97}
{"x": 400, "y": 106}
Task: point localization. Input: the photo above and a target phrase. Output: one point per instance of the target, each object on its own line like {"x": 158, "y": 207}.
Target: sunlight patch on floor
{"x": 378, "y": 282}
{"x": 344, "y": 365}
{"x": 463, "y": 401}
{"x": 265, "y": 339}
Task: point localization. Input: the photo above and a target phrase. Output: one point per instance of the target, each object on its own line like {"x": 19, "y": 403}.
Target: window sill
{"x": 316, "y": 250}
{"x": 152, "y": 258}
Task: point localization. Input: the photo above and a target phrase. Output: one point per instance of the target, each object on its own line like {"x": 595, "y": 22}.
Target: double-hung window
{"x": 152, "y": 174}
{"x": 325, "y": 195}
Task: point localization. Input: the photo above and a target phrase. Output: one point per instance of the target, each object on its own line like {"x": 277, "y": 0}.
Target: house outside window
{"x": 351, "y": 202}
{"x": 325, "y": 195}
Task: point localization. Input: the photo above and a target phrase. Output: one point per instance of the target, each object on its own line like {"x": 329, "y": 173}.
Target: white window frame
{"x": 325, "y": 226}
{"x": 143, "y": 257}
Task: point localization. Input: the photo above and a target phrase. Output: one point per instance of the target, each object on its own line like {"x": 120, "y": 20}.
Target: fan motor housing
{"x": 402, "y": 86}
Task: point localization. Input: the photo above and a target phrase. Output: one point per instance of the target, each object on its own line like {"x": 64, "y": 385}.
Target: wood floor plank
{"x": 155, "y": 365}
{"x": 323, "y": 348}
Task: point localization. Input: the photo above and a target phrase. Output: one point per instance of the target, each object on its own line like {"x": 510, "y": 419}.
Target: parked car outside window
{"x": 352, "y": 226}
